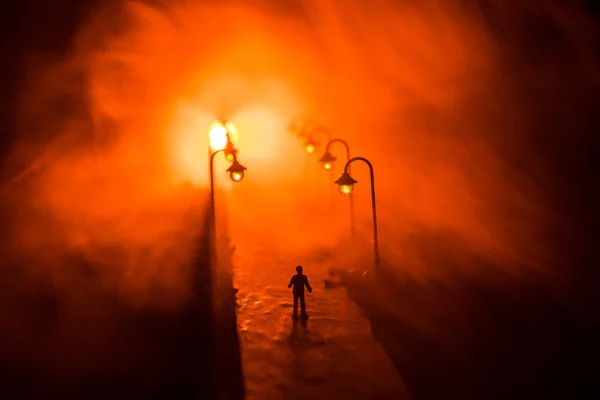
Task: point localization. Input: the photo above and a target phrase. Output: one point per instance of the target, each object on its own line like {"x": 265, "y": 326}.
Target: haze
{"x": 112, "y": 164}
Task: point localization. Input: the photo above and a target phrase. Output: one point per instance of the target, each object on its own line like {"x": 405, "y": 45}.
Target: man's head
{"x": 299, "y": 269}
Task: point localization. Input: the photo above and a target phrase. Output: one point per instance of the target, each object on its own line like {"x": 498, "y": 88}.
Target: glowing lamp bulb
{"x": 236, "y": 171}
{"x": 327, "y": 160}
{"x": 310, "y": 148}
{"x": 346, "y": 190}
{"x": 345, "y": 184}
{"x": 217, "y": 136}
{"x": 230, "y": 151}
{"x": 236, "y": 176}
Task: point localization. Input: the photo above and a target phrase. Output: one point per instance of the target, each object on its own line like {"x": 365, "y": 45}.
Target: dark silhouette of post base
{"x": 213, "y": 217}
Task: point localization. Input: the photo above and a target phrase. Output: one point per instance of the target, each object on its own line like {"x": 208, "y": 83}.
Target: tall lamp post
{"x": 346, "y": 187}
{"x": 328, "y": 160}
{"x": 220, "y": 141}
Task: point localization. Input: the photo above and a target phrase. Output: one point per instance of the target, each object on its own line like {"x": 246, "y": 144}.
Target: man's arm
{"x": 307, "y": 284}
{"x": 291, "y": 282}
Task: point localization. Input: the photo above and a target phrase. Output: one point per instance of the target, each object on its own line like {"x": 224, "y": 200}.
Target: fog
{"x": 446, "y": 99}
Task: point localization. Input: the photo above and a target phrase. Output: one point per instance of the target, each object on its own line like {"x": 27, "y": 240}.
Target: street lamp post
{"x": 236, "y": 170}
{"x": 236, "y": 174}
{"x": 346, "y": 187}
{"x": 328, "y": 161}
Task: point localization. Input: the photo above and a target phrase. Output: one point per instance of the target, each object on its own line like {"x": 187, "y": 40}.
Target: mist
{"x": 111, "y": 161}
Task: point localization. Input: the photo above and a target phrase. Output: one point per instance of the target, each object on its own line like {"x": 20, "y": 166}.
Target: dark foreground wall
{"x": 91, "y": 345}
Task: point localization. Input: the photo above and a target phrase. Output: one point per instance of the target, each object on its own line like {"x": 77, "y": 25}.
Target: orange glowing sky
{"x": 416, "y": 88}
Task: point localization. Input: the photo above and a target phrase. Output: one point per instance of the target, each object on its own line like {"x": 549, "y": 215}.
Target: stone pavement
{"x": 333, "y": 355}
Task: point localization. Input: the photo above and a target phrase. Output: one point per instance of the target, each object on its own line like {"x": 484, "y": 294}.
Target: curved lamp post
{"x": 328, "y": 160}
{"x": 236, "y": 174}
{"x": 346, "y": 187}
{"x": 220, "y": 141}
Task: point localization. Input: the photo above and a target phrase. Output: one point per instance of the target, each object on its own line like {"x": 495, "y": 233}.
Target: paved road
{"x": 333, "y": 356}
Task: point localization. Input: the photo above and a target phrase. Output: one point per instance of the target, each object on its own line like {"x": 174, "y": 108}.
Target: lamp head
{"x": 327, "y": 160}
{"x": 230, "y": 151}
{"x": 236, "y": 171}
{"x": 310, "y": 146}
{"x": 345, "y": 184}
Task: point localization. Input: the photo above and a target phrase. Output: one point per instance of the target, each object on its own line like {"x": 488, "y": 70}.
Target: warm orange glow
{"x": 236, "y": 176}
{"x": 218, "y": 136}
{"x": 104, "y": 188}
{"x": 345, "y": 189}
{"x": 115, "y": 177}
{"x": 233, "y": 133}
{"x": 296, "y": 127}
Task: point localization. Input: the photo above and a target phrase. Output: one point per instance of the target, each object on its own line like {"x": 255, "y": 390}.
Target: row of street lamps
{"x": 222, "y": 136}
{"x": 308, "y": 132}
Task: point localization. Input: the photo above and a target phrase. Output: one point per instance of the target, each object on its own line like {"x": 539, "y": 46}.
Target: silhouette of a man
{"x": 298, "y": 281}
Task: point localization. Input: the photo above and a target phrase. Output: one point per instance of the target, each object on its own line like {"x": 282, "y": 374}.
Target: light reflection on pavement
{"x": 332, "y": 356}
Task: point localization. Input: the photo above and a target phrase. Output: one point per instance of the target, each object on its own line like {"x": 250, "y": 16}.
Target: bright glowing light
{"x": 236, "y": 171}
{"x": 327, "y": 166}
{"x": 229, "y": 156}
{"x": 217, "y": 136}
{"x": 233, "y": 133}
{"x": 346, "y": 190}
{"x": 310, "y": 148}
{"x": 236, "y": 176}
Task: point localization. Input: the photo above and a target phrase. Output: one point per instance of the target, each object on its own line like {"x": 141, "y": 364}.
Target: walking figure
{"x": 299, "y": 281}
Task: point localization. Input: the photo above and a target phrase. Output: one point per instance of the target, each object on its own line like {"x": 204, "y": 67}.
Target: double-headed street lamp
{"x": 220, "y": 136}
{"x": 328, "y": 161}
{"x": 346, "y": 187}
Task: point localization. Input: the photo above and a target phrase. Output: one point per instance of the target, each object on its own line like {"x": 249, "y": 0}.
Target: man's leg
{"x": 302, "y": 304}
{"x": 295, "y": 305}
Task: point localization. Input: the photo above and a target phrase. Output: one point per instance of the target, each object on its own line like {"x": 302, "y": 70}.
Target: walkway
{"x": 333, "y": 356}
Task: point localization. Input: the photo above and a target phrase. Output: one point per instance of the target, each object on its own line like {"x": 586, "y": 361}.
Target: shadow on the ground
{"x": 298, "y": 332}
{"x": 226, "y": 337}
{"x": 477, "y": 338}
